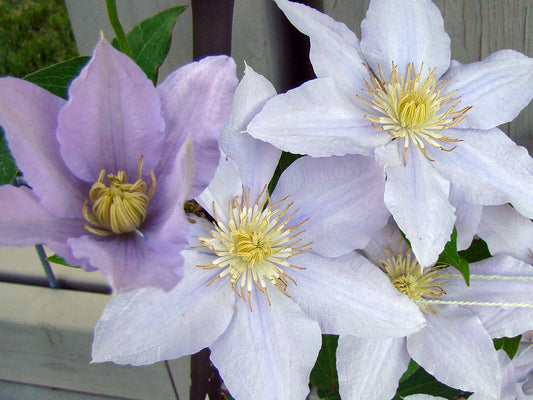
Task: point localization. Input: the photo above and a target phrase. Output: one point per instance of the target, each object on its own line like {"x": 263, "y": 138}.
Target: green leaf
{"x": 8, "y": 168}
{"x": 285, "y": 160}
{"x": 324, "y": 373}
{"x": 477, "y": 251}
{"x": 150, "y": 40}
{"x": 451, "y": 257}
{"x": 509, "y": 345}
{"x": 422, "y": 382}
{"x": 411, "y": 369}
{"x": 56, "y": 78}
{"x": 54, "y": 258}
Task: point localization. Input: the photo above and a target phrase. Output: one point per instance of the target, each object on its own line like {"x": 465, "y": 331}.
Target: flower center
{"x": 413, "y": 109}
{"x": 254, "y": 245}
{"x": 411, "y": 279}
{"x": 120, "y": 207}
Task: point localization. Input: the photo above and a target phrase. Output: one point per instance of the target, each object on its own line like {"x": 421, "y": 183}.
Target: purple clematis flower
{"x": 111, "y": 167}
{"x": 271, "y": 273}
{"x": 430, "y": 122}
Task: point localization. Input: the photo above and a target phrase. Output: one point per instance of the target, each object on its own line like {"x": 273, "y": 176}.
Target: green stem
{"x": 115, "y": 23}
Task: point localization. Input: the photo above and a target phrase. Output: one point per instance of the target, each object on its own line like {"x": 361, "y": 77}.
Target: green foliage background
{"x": 33, "y": 34}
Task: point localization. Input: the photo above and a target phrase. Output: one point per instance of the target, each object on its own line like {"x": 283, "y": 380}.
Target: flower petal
{"x": 457, "y": 350}
{"x": 130, "y": 261}
{"x": 498, "y": 88}
{"x": 29, "y": 115}
{"x": 112, "y": 118}
{"x": 499, "y": 320}
{"x": 149, "y": 325}
{"x": 468, "y": 217}
{"x": 417, "y": 197}
{"x": 267, "y": 353}
{"x": 317, "y": 119}
{"x": 253, "y": 92}
{"x": 349, "y": 296}
{"x": 404, "y": 31}
{"x": 196, "y": 101}
{"x": 488, "y": 168}
{"x": 334, "y": 48}
{"x": 370, "y": 368}
{"x": 342, "y": 198}
{"x": 507, "y": 232}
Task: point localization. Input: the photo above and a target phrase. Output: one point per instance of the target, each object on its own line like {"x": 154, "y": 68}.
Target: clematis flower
{"x": 111, "y": 167}
{"x": 270, "y": 274}
{"x": 456, "y": 345}
{"x": 520, "y": 371}
{"x": 430, "y": 122}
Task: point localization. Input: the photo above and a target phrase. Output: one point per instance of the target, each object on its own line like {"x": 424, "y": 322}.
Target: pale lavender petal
{"x": 28, "y": 115}
{"x": 509, "y": 377}
{"x": 130, "y": 261}
{"x": 389, "y": 237}
{"x": 417, "y": 197}
{"x": 498, "y": 88}
{"x": 507, "y": 232}
{"x": 400, "y": 32}
{"x": 25, "y": 223}
{"x": 196, "y": 101}
{"x": 342, "y": 198}
{"x": 370, "y": 368}
{"x": 499, "y": 320}
{"x": 269, "y": 352}
{"x": 317, "y": 119}
{"x": 334, "y": 48}
{"x": 349, "y": 296}
{"x": 467, "y": 221}
{"x": 457, "y": 350}
{"x": 256, "y": 160}
{"x": 488, "y": 168}
{"x": 149, "y": 325}
{"x": 424, "y": 397}
{"x": 112, "y": 118}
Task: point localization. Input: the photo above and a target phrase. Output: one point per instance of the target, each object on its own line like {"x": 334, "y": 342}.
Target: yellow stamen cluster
{"x": 413, "y": 109}
{"x": 253, "y": 246}
{"x": 120, "y": 207}
{"x": 410, "y": 278}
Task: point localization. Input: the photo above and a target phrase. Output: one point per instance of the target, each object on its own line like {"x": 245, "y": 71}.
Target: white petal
{"x": 467, "y": 222}
{"x": 349, "y": 296}
{"x": 269, "y": 352}
{"x": 388, "y": 237}
{"x": 342, "y": 197}
{"x": 317, "y": 119}
{"x": 488, "y": 168}
{"x": 457, "y": 351}
{"x": 334, "y": 48}
{"x": 404, "y": 31}
{"x": 498, "y": 88}
{"x": 507, "y": 232}
{"x": 253, "y": 92}
{"x": 423, "y": 397}
{"x": 149, "y": 325}
{"x": 500, "y": 321}
{"x": 417, "y": 197}
{"x": 370, "y": 368}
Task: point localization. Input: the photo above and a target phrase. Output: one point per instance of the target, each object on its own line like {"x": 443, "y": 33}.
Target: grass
{"x": 33, "y": 35}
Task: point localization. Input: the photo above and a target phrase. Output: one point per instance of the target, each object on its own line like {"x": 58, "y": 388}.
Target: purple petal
{"x": 196, "y": 101}
{"x": 341, "y": 196}
{"x": 370, "y": 368}
{"x": 149, "y": 325}
{"x": 498, "y": 88}
{"x": 404, "y": 31}
{"x": 112, "y": 118}
{"x": 28, "y": 115}
{"x": 269, "y": 352}
{"x": 130, "y": 261}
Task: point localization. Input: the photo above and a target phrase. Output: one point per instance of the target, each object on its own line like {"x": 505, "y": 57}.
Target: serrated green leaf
{"x": 324, "y": 373}
{"x": 56, "y": 78}
{"x": 150, "y": 40}
{"x": 509, "y": 345}
{"x": 422, "y": 382}
{"x": 451, "y": 257}
{"x": 477, "y": 251}
{"x": 8, "y": 168}
{"x": 54, "y": 258}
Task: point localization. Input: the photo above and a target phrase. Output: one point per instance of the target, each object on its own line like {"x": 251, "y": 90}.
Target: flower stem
{"x": 115, "y": 23}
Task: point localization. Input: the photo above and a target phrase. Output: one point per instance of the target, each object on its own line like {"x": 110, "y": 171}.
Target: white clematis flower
{"x": 430, "y": 122}
{"x": 456, "y": 345}
{"x": 270, "y": 274}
